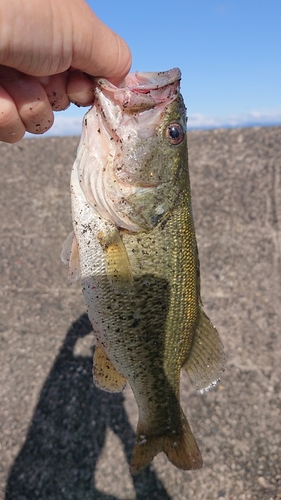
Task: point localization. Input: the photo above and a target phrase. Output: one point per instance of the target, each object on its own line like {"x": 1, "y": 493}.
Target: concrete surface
{"x": 61, "y": 438}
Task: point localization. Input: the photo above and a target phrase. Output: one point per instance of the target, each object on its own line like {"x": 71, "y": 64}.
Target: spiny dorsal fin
{"x": 106, "y": 377}
{"x": 118, "y": 267}
{"x": 205, "y": 362}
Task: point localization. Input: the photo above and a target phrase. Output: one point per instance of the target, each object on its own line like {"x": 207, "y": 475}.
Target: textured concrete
{"x": 61, "y": 438}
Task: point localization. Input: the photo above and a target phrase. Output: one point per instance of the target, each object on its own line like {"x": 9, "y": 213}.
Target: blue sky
{"x": 229, "y": 52}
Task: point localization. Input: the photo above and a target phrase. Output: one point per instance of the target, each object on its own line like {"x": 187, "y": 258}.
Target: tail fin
{"x": 179, "y": 445}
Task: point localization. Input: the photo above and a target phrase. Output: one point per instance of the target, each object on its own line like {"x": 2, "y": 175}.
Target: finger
{"x": 11, "y": 127}
{"x": 30, "y": 99}
{"x": 60, "y": 34}
{"x": 105, "y": 53}
{"x": 55, "y": 88}
{"x": 79, "y": 88}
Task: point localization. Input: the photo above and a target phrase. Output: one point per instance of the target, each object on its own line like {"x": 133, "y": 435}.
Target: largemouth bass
{"x": 135, "y": 247}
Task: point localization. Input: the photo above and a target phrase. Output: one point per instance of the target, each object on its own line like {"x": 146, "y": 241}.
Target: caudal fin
{"x": 179, "y": 445}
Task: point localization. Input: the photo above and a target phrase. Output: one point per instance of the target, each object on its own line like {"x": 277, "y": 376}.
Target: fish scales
{"x": 135, "y": 246}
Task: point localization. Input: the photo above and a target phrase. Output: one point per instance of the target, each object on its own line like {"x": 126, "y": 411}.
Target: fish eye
{"x": 175, "y": 133}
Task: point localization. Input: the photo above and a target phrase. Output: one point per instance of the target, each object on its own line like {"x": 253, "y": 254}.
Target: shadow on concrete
{"x": 67, "y": 434}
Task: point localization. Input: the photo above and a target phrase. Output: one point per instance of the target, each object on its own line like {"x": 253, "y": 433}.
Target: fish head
{"x": 135, "y": 137}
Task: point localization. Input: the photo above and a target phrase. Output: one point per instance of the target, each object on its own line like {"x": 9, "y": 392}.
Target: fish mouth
{"x": 142, "y": 91}
{"x": 144, "y": 82}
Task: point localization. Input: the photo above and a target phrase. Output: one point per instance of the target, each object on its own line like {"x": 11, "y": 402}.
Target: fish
{"x": 134, "y": 247}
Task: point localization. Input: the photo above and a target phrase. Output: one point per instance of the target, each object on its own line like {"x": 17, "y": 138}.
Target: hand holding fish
{"x": 39, "y": 47}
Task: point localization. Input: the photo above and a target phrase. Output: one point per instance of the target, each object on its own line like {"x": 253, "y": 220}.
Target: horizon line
{"x": 72, "y": 125}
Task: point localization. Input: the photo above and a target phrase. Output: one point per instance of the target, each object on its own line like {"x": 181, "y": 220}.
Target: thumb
{"x": 97, "y": 50}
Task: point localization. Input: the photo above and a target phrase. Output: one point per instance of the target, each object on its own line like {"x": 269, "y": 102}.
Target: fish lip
{"x": 154, "y": 81}
{"x": 143, "y": 82}
{"x": 143, "y": 91}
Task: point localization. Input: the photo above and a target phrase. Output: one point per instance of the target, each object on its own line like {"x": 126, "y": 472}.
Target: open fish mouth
{"x": 143, "y": 91}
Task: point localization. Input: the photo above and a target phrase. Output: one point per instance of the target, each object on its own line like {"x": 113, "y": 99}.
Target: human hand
{"x": 45, "y": 51}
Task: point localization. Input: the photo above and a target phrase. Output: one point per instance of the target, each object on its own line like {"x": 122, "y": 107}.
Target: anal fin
{"x": 205, "y": 362}
{"x": 106, "y": 377}
{"x": 117, "y": 263}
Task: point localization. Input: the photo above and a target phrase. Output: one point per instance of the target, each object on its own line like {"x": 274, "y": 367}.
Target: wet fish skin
{"x": 141, "y": 279}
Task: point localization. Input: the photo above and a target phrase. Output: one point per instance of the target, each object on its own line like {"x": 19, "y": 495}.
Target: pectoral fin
{"x": 205, "y": 362}
{"x": 70, "y": 256}
{"x": 106, "y": 377}
{"x": 117, "y": 263}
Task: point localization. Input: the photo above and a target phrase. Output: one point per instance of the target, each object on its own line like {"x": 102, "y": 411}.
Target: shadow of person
{"x": 67, "y": 434}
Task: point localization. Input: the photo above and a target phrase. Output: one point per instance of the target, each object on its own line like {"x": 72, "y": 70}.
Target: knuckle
{"x": 58, "y": 99}
{"x": 31, "y": 110}
{"x": 11, "y": 126}
{"x": 37, "y": 116}
{"x": 8, "y": 113}
{"x": 11, "y": 135}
